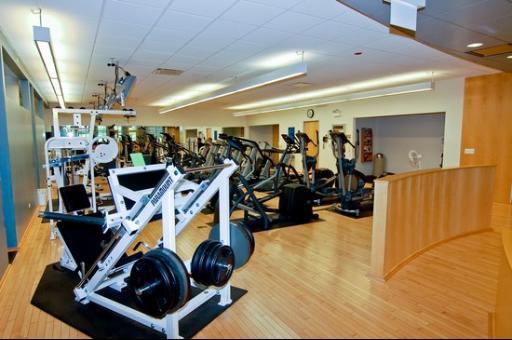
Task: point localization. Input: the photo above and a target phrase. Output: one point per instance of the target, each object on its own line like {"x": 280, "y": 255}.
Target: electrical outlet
{"x": 469, "y": 151}
{"x": 30, "y": 205}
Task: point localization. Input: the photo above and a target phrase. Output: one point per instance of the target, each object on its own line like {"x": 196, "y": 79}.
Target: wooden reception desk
{"x": 417, "y": 210}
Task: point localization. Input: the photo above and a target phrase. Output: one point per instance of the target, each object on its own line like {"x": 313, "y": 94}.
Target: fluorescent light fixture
{"x": 391, "y": 91}
{"x": 364, "y": 85}
{"x": 189, "y": 93}
{"x": 509, "y": 57}
{"x": 262, "y": 80}
{"x": 56, "y": 86}
{"x": 44, "y": 46}
{"x": 475, "y": 45}
{"x": 279, "y": 60}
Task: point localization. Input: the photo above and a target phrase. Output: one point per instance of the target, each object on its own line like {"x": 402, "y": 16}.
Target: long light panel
{"x": 44, "y": 47}
{"x": 391, "y": 91}
{"x": 262, "y": 80}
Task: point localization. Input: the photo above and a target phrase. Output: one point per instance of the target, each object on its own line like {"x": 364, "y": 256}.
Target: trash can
{"x": 42, "y": 196}
{"x": 378, "y": 165}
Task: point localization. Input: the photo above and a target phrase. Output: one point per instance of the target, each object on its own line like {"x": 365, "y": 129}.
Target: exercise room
{"x": 255, "y": 169}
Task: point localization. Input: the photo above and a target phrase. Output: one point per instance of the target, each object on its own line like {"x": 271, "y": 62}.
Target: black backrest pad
{"x": 74, "y": 197}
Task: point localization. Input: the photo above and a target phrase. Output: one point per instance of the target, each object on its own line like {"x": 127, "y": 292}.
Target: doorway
{"x": 311, "y": 129}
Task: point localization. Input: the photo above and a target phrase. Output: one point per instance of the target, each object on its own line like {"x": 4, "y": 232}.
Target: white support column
{"x": 224, "y": 233}
{"x": 169, "y": 221}
{"x": 172, "y": 328}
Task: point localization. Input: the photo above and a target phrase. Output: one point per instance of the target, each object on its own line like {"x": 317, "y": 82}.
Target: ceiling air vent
{"x": 167, "y": 72}
{"x": 492, "y": 51}
{"x": 301, "y": 84}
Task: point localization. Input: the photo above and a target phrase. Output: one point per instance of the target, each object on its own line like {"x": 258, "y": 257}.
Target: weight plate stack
{"x": 212, "y": 263}
{"x": 242, "y": 242}
{"x": 160, "y": 282}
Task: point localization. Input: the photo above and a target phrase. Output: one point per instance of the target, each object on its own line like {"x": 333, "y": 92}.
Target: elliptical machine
{"x": 348, "y": 193}
{"x": 350, "y": 182}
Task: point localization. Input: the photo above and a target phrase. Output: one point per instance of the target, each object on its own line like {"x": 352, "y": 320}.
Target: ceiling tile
{"x": 150, "y": 56}
{"x": 293, "y": 22}
{"x": 123, "y": 29}
{"x": 160, "y": 4}
{"x": 181, "y": 62}
{"x": 329, "y": 8}
{"x": 131, "y": 13}
{"x": 279, "y": 3}
{"x": 266, "y": 36}
{"x": 162, "y": 34}
{"x": 183, "y": 21}
{"x": 252, "y": 13}
{"x": 166, "y": 47}
{"x": 331, "y": 30}
{"x": 205, "y": 8}
{"x": 195, "y": 52}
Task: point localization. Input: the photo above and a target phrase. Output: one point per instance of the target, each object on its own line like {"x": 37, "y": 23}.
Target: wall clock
{"x": 310, "y": 113}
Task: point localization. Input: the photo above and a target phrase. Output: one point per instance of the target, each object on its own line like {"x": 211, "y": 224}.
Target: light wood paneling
{"x": 414, "y": 211}
{"x": 501, "y": 321}
{"x": 487, "y": 127}
{"x": 306, "y": 281}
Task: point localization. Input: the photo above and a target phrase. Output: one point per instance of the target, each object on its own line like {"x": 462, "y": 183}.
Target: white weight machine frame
{"x": 60, "y": 143}
{"x": 179, "y": 200}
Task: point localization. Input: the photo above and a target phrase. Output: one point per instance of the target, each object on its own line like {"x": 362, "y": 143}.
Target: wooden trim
{"x": 416, "y": 211}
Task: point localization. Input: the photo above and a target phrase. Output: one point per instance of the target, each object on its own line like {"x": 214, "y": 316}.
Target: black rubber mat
{"x": 54, "y": 295}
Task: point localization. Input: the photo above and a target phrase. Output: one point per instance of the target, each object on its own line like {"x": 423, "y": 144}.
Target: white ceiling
{"x": 212, "y": 41}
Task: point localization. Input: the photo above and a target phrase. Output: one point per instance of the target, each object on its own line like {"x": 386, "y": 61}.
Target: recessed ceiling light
{"x": 475, "y": 45}
{"x": 509, "y": 57}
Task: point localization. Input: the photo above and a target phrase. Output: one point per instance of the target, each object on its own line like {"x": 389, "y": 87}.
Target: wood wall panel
{"x": 416, "y": 210}
{"x": 501, "y": 325}
{"x": 487, "y": 127}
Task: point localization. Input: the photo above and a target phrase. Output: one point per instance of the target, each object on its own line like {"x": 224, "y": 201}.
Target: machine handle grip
{"x": 100, "y": 221}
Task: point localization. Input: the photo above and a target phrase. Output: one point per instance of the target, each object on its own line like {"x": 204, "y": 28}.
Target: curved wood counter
{"x": 417, "y": 210}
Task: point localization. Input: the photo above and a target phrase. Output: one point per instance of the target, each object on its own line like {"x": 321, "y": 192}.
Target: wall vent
{"x": 167, "y": 72}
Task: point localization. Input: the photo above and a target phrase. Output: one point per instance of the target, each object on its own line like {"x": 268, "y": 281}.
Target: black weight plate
{"x": 220, "y": 268}
{"x": 240, "y": 242}
{"x": 151, "y": 272}
{"x": 201, "y": 254}
{"x": 178, "y": 272}
{"x": 195, "y": 264}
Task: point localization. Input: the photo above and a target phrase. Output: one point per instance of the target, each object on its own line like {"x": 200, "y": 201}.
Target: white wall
{"x": 448, "y": 97}
{"x": 395, "y": 136}
{"x": 262, "y": 133}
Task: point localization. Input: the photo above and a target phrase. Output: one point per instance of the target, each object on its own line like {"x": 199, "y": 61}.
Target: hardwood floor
{"x": 307, "y": 281}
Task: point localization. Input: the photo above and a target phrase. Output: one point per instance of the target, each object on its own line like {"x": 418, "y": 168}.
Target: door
{"x": 208, "y": 133}
{"x": 311, "y": 129}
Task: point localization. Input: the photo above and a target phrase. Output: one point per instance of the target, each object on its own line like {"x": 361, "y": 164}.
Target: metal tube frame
{"x": 177, "y": 212}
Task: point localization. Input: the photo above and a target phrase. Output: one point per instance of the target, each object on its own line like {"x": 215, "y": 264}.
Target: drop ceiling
{"x": 212, "y": 42}
{"x": 451, "y": 25}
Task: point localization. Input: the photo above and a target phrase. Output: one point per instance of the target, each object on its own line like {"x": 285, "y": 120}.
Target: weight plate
{"x": 241, "y": 242}
{"x": 160, "y": 282}
{"x": 220, "y": 268}
{"x": 195, "y": 268}
{"x": 153, "y": 286}
{"x": 199, "y": 271}
{"x": 180, "y": 273}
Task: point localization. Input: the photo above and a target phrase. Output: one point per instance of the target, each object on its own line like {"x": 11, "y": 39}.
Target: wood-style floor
{"x": 307, "y": 281}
